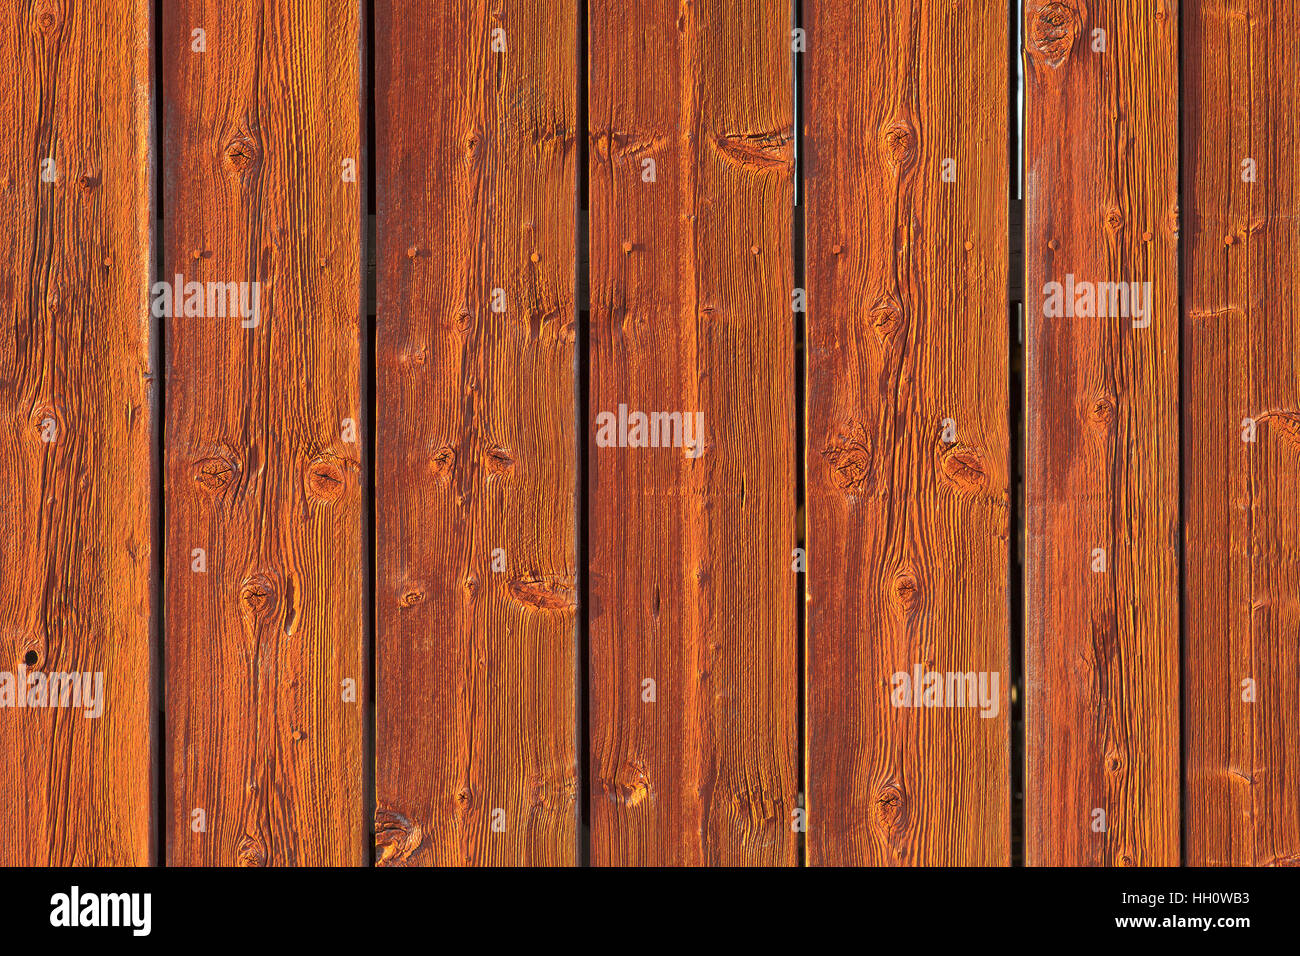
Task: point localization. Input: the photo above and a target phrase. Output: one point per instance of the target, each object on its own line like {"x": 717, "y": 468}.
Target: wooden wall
{"x": 711, "y": 483}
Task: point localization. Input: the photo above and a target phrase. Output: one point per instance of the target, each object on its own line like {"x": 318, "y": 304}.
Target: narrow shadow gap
{"x": 1016, "y": 421}
{"x": 800, "y": 388}
{"x": 158, "y": 518}
{"x": 1183, "y": 795}
{"x": 369, "y": 296}
{"x": 582, "y": 405}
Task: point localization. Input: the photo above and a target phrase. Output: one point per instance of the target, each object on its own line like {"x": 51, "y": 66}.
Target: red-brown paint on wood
{"x": 1241, "y": 432}
{"x": 907, "y": 449}
{"x": 77, "y": 388}
{"x": 476, "y": 607}
{"x": 265, "y": 656}
{"x": 1101, "y": 435}
{"x": 691, "y": 579}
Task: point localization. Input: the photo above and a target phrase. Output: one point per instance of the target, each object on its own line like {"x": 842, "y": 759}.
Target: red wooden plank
{"x": 265, "y": 568}
{"x": 1101, "y": 433}
{"x": 1241, "y": 427}
{"x": 476, "y": 453}
{"x": 691, "y": 547}
{"x": 908, "y": 468}
{"x": 76, "y": 428}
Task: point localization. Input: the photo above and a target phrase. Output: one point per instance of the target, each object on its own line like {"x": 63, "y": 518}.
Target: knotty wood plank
{"x": 1241, "y": 433}
{"x": 1101, "y": 434}
{"x": 266, "y": 664}
{"x": 690, "y": 557}
{"x": 76, "y": 396}
{"x": 908, "y": 467}
{"x": 476, "y": 451}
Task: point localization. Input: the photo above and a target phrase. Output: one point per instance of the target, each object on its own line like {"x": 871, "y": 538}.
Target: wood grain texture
{"x": 1240, "y": 363}
{"x": 1101, "y": 440}
{"x": 690, "y": 557}
{"x": 476, "y": 117}
{"x": 908, "y": 467}
{"x": 76, "y": 426}
{"x": 263, "y": 472}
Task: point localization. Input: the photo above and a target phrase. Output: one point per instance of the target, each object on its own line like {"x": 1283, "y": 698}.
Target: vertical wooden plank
{"x": 265, "y": 570}
{"x": 908, "y": 467}
{"x": 1241, "y": 427}
{"x": 76, "y": 396}
{"x": 476, "y": 451}
{"x": 1101, "y": 433}
{"x": 690, "y": 547}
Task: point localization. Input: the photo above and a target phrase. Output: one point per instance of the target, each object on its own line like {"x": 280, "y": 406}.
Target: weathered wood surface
{"x": 1101, "y": 441}
{"x": 907, "y": 449}
{"x": 77, "y": 388}
{"x": 476, "y": 113}
{"x": 261, "y": 517}
{"x": 1241, "y": 433}
{"x": 266, "y": 664}
{"x": 691, "y": 584}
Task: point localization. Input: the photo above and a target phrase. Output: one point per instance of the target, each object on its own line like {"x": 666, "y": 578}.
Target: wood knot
{"x": 890, "y": 805}
{"x": 1103, "y": 410}
{"x": 241, "y": 153}
{"x": 898, "y": 142}
{"x": 251, "y": 852}
{"x": 473, "y": 140}
{"x": 415, "y": 355}
{"x": 757, "y": 152}
{"x": 632, "y": 784}
{"x": 547, "y": 595}
{"x": 396, "y": 837}
{"x": 412, "y": 596}
{"x": 849, "y": 456}
{"x": 215, "y": 472}
{"x": 257, "y": 596}
{"x": 326, "y": 478}
{"x": 1114, "y": 219}
{"x": 905, "y": 591}
{"x": 1287, "y": 425}
{"x": 45, "y": 422}
{"x": 963, "y": 468}
{"x": 464, "y": 797}
{"x": 499, "y": 460}
{"x": 87, "y": 182}
{"x": 49, "y": 18}
{"x": 443, "y": 464}
{"x": 1053, "y": 33}
{"x": 887, "y": 317}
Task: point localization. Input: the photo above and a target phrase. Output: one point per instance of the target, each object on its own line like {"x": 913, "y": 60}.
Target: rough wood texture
{"x": 908, "y": 503}
{"x": 690, "y": 557}
{"x": 76, "y": 419}
{"x": 1101, "y": 453}
{"x": 476, "y": 451}
{"x": 264, "y": 436}
{"x": 1242, "y": 341}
